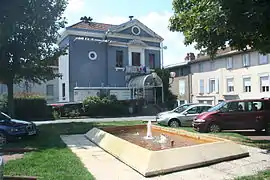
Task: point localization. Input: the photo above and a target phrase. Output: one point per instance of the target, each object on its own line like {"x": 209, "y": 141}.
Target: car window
{"x": 181, "y": 108}
{"x": 236, "y": 106}
{"x": 255, "y": 106}
{"x": 194, "y": 110}
{"x": 204, "y": 108}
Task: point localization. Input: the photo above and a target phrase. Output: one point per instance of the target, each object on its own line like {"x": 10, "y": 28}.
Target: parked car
{"x": 235, "y": 115}
{"x": 181, "y": 116}
{"x": 177, "y": 109}
{"x": 11, "y": 129}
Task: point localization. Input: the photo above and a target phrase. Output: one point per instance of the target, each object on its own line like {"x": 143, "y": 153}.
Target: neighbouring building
{"x": 230, "y": 75}
{"x": 48, "y": 89}
{"x": 115, "y": 59}
{"x": 181, "y": 84}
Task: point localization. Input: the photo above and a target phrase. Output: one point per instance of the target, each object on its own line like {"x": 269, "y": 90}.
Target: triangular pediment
{"x": 136, "y": 42}
{"x": 128, "y": 26}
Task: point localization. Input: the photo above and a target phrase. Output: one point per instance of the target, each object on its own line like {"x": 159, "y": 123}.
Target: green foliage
{"x": 3, "y": 103}
{"x": 213, "y": 23}
{"x": 164, "y": 74}
{"x": 104, "y": 106}
{"x": 28, "y": 34}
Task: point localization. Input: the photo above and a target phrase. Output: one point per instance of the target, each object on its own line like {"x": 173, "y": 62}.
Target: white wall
{"x": 238, "y": 72}
{"x": 64, "y": 71}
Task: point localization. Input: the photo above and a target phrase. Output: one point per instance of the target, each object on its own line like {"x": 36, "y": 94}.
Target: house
{"x": 181, "y": 84}
{"x": 230, "y": 75}
{"x": 48, "y": 89}
{"x": 115, "y": 59}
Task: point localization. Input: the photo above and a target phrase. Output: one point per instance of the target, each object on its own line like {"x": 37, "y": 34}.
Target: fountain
{"x": 163, "y": 150}
{"x": 149, "y": 131}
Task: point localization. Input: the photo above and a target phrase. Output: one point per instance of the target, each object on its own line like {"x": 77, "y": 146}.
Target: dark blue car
{"x": 11, "y": 129}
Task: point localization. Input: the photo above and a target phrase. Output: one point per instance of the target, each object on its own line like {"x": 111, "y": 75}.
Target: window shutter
{"x": 217, "y": 85}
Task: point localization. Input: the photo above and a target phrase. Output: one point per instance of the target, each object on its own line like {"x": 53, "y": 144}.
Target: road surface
{"x": 137, "y": 118}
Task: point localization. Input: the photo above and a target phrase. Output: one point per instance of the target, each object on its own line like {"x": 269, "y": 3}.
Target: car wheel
{"x": 3, "y": 138}
{"x": 214, "y": 128}
{"x": 174, "y": 123}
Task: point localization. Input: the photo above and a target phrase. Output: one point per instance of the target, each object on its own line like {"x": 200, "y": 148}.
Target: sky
{"x": 154, "y": 14}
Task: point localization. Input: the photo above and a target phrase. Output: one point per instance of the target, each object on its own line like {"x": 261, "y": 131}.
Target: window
{"x": 233, "y": 107}
{"x": 212, "y": 86}
{"x": 49, "y": 90}
{"x": 263, "y": 59}
{"x": 63, "y": 90}
{"x": 246, "y": 60}
{"x": 194, "y": 110}
{"x": 230, "y": 86}
{"x": 229, "y": 63}
{"x": 212, "y": 64}
{"x": 204, "y": 108}
{"x": 152, "y": 61}
{"x": 182, "y": 86}
{"x": 201, "y": 86}
{"x": 255, "y": 106}
{"x": 247, "y": 84}
{"x": 119, "y": 59}
{"x": 264, "y": 82}
{"x": 136, "y": 59}
{"x": 200, "y": 67}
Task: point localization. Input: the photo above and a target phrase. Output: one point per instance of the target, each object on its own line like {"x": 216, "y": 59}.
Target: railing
{"x": 137, "y": 70}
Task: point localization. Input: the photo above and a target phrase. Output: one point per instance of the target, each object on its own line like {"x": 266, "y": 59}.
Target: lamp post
{"x": 162, "y": 56}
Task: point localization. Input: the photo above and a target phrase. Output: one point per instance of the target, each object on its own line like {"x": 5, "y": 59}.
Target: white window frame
{"x": 228, "y": 80}
{"x": 262, "y": 59}
{"x": 268, "y": 78}
{"x": 244, "y": 86}
{"x": 136, "y": 49}
{"x": 246, "y": 59}
{"x": 212, "y": 89}
{"x": 201, "y": 86}
{"x": 229, "y": 61}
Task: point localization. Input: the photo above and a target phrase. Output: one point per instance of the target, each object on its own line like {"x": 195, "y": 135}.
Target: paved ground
{"x": 137, "y": 118}
{"x": 102, "y": 165}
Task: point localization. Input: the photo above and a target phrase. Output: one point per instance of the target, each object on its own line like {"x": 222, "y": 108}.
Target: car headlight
{"x": 199, "y": 120}
{"x": 14, "y": 130}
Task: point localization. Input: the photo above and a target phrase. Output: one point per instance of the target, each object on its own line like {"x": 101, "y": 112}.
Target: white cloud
{"x": 74, "y": 6}
{"x": 159, "y": 22}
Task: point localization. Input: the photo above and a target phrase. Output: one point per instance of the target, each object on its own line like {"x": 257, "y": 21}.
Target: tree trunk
{"x": 10, "y": 99}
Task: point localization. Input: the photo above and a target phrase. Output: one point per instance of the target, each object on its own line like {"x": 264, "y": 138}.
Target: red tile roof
{"x": 92, "y": 26}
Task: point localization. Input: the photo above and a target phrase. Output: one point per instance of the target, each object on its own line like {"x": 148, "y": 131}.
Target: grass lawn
{"x": 53, "y": 160}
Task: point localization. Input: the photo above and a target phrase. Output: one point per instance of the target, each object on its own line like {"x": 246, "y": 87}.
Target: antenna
{"x": 130, "y": 17}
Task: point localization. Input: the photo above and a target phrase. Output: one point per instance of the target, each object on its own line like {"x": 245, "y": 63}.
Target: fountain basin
{"x": 153, "y": 159}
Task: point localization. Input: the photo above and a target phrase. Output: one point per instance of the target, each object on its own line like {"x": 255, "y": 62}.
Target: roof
{"x": 220, "y": 53}
{"x": 92, "y": 26}
{"x": 176, "y": 65}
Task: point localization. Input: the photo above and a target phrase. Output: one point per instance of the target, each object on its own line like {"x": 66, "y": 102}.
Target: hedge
{"x": 28, "y": 107}
{"x": 104, "y": 106}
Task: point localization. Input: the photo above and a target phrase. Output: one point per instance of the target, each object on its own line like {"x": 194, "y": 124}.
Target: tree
{"x": 28, "y": 33}
{"x": 213, "y": 24}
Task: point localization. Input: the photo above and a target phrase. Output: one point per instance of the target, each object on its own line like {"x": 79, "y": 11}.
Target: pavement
{"x": 97, "y": 160}
{"x": 86, "y": 120}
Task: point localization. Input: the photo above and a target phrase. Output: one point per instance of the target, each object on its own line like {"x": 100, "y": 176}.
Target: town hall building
{"x": 117, "y": 58}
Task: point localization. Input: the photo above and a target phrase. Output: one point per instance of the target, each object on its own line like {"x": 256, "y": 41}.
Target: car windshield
{"x": 217, "y": 107}
{"x": 181, "y": 108}
{"x": 4, "y": 116}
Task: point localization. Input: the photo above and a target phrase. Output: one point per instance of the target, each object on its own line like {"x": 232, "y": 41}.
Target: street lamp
{"x": 162, "y": 56}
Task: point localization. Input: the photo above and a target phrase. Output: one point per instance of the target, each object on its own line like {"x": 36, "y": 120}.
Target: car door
{"x": 189, "y": 115}
{"x": 233, "y": 116}
{"x": 256, "y": 116}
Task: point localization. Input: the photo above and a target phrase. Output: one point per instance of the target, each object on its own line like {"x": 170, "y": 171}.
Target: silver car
{"x": 182, "y": 115}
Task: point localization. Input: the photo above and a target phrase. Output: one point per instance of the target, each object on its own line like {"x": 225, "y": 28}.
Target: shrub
{"x": 104, "y": 106}
{"x": 31, "y": 107}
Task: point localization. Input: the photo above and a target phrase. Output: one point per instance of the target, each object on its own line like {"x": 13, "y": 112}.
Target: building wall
{"x": 221, "y": 74}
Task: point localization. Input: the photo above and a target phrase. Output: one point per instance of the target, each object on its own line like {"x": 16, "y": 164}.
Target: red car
{"x": 235, "y": 115}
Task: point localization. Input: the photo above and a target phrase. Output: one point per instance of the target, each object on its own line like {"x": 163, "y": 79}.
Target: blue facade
{"x": 84, "y": 72}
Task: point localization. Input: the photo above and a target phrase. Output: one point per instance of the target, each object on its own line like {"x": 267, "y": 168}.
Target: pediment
{"x": 137, "y": 42}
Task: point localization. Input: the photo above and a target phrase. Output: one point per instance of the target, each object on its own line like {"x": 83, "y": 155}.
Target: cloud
{"x": 158, "y": 22}
{"x": 74, "y": 6}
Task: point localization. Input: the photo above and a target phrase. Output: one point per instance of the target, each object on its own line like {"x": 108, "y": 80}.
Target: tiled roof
{"x": 92, "y": 26}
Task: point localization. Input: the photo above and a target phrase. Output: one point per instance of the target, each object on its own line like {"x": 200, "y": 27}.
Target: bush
{"x": 31, "y": 107}
{"x": 104, "y": 106}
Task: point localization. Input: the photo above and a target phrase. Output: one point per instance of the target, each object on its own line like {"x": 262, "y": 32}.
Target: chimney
{"x": 130, "y": 18}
